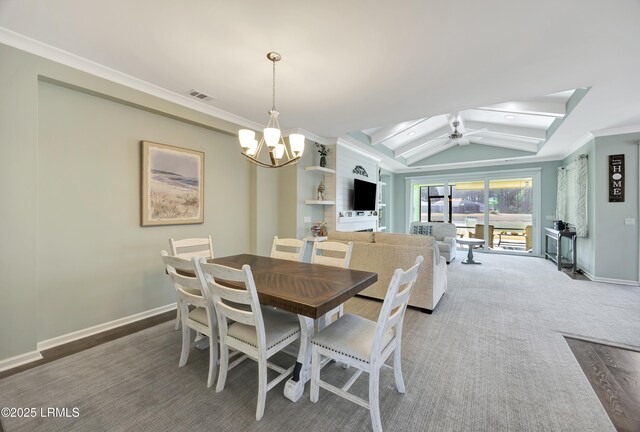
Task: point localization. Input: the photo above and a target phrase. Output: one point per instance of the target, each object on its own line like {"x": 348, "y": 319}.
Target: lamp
{"x": 279, "y": 155}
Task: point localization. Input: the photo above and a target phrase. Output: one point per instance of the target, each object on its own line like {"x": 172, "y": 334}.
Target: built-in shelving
{"x": 319, "y": 168}
{"x": 318, "y": 202}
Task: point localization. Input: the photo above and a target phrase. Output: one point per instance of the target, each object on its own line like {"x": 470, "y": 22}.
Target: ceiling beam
{"x": 421, "y": 142}
{"x": 386, "y": 133}
{"x": 541, "y": 108}
{"x": 515, "y": 131}
{"x": 506, "y": 143}
{"x": 430, "y": 152}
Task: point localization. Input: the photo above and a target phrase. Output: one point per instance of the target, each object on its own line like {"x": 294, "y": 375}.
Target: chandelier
{"x": 279, "y": 155}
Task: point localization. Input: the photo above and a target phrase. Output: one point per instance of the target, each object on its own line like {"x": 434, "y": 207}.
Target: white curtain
{"x": 561, "y": 200}
{"x": 582, "y": 227}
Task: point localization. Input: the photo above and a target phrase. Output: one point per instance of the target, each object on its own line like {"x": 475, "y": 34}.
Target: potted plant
{"x": 324, "y": 151}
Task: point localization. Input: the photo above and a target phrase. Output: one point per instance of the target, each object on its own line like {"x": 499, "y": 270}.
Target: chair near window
{"x": 528, "y": 239}
{"x": 366, "y": 345}
{"x": 187, "y": 249}
{"x": 258, "y": 332}
{"x": 202, "y": 318}
{"x": 333, "y": 254}
{"x": 479, "y": 233}
{"x": 287, "y": 249}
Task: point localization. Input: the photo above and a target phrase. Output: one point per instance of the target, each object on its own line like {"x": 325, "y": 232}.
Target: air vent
{"x": 199, "y": 95}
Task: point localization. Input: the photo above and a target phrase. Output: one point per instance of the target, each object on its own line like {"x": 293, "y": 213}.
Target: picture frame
{"x": 172, "y": 185}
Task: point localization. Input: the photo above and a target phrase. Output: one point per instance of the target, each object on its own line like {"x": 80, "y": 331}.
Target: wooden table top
{"x": 306, "y": 289}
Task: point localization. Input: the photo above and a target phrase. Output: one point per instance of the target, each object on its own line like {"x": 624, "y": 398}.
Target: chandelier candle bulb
{"x": 271, "y": 136}
{"x": 296, "y": 142}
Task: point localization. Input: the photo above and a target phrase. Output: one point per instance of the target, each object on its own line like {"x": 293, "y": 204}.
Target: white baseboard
{"x": 70, "y": 337}
{"x": 610, "y": 280}
{"x": 19, "y": 360}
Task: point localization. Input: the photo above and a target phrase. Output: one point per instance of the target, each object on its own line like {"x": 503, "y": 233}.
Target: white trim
{"x": 347, "y": 143}
{"x": 19, "y": 360}
{"x": 89, "y": 331}
{"x": 308, "y": 135}
{"x": 581, "y": 142}
{"x": 610, "y": 280}
{"x": 66, "y": 58}
{"x": 616, "y": 131}
{"x": 479, "y": 164}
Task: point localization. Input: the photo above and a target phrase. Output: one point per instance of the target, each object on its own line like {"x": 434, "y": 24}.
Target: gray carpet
{"x": 490, "y": 358}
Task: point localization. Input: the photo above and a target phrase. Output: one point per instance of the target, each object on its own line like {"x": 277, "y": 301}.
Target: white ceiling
{"x": 356, "y": 65}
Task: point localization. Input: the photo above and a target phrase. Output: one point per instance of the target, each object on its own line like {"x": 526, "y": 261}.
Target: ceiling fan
{"x": 456, "y": 137}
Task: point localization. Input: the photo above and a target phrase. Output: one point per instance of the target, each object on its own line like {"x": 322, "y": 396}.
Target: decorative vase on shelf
{"x": 323, "y": 161}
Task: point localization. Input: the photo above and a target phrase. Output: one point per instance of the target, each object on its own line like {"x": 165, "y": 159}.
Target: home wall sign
{"x": 616, "y": 178}
{"x": 359, "y": 169}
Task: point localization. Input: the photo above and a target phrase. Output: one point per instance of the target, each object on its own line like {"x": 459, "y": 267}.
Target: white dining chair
{"x": 287, "y": 248}
{"x": 366, "y": 345}
{"x": 187, "y": 249}
{"x": 334, "y": 254}
{"x": 202, "y": 318}
{"x": 258, "y": 332}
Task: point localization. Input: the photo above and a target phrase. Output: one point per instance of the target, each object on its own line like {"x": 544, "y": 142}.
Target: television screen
{"x": 364, "y": 195}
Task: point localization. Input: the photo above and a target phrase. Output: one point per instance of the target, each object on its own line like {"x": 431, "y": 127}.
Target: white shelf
{"x": 382, "y": 183}
{"x": 319, "y": 168}
{"x": 316, "y": 202}
{"x": 382, "y": 205}
{"x": 382, "y": 228}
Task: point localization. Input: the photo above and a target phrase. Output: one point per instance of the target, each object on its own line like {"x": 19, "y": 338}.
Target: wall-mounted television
{"x": 365, "y": 195}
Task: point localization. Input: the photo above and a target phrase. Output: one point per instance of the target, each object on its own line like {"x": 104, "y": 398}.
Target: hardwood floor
{"x": 91, "y": 341}
{"x": 614, "y": 374}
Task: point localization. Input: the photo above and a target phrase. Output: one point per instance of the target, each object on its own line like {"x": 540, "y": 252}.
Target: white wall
{"x": 347, "y": 160}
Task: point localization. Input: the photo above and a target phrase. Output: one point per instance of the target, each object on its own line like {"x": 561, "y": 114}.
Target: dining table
{"x": 308, "y": 290}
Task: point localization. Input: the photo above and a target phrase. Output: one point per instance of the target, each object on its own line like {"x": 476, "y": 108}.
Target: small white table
{"x": 471, "y": 243}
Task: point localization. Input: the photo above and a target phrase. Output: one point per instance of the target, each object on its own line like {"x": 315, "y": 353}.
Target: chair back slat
{"x": 241, "y": 316}
{"x": 287, "y": 249}
{"x": 395, "y": 304}
{"x": 243, "y": 292}
{"x": 183, "y": 282}
{"x": 334, "y": 254}
{"x": 192, "y": 247}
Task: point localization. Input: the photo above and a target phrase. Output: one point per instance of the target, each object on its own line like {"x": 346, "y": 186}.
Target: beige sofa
{"x": 384, "y": 252}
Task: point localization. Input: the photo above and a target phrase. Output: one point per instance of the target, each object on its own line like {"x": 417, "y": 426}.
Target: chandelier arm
{"x": 265, "y": 165}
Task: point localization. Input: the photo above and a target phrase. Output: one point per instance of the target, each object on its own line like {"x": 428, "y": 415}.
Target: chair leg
{"x": 397, "y": 368}
{"x": 213, "y": 360}
{"x": 262, "y": 388}
{"x": 186, "y": 344}
{"x": 178, "y": 318}
{"x": 224, "y": 366}
{"x": 374, "y": 402}
{"x": 315, "y": 374}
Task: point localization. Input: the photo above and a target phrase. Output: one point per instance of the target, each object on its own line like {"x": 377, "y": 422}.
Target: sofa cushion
{"x": 422, "y": 229}
{"x": 346, "y": 236}
{"x": 403, "y": 239}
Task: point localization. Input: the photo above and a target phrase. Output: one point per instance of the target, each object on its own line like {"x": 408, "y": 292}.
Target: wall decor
{"x": 359, "y": 169}
{"x": 616, "y": 178}
{"x": 172, "y": 185}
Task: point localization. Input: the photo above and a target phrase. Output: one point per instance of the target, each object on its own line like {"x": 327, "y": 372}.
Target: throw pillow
{"x": 422, "y": 229}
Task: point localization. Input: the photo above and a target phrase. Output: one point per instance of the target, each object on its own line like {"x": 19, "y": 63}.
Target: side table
{"x": 471, "y": 243}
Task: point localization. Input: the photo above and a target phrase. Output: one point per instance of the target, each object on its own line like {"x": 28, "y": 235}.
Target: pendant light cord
{"x": 274, "y": 87}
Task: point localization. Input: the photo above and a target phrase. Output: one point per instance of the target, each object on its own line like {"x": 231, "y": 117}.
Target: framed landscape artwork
{"x": 172, "y": 185}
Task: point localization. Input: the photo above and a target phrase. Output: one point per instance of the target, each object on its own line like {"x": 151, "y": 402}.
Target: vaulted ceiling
{"x": 350, "y": 66}
{"x": 520, "y": 128}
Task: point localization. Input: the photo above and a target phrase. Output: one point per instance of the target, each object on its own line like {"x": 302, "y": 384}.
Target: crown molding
{"x": 616, "y": 131}
{"x": 350, "y": 143}
{"x": 32, "y": 46}
{"x": 308, "y": 135}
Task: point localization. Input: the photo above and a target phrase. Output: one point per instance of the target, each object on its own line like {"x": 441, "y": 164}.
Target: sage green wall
{"x": 70, "y": 161}
{"x": 611, "y": 251}
{"x": 616, "y": 243}
{"x": 548, "y": 179}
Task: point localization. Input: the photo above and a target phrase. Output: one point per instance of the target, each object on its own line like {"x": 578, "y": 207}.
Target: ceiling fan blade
{"x": 463, "y": 141}
{"x": 474, "y": 131}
